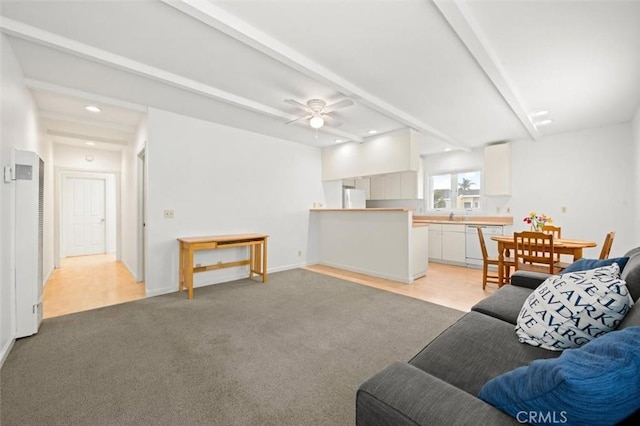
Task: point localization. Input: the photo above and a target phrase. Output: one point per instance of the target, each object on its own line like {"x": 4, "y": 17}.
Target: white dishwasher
{"x": 473, "y": 252}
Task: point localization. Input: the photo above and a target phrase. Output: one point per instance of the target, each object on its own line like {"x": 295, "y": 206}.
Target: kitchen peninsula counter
{"x": 462, "y": 220}
{"x": 383, "y": 242}
{"x": 377, "y": 209}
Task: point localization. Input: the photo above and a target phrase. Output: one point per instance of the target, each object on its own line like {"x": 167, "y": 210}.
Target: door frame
{"x": 60, "y": 175}
{"x": 141, "y": 166}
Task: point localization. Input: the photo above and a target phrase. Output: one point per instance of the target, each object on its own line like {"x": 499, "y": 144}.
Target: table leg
{"x": 577, "y": 253}
{"x": 257, "y": 258}
{"x": 252, "y": 249}
{"x": 188, "y": 272}
{"x": 181, "y": 271}
{"x": 264, "y": 261}
{"x": 500, "y": 264}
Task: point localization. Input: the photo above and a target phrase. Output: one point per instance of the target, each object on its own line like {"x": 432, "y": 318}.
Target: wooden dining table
{"x": 560, "y": 245}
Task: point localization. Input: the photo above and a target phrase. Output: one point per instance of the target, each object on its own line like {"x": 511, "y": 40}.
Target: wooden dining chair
{"x": 534, "y": 252}
{"x": 606, "y": 246}
{"x": 486, "y": 261}
{"x": 556, "y": 231}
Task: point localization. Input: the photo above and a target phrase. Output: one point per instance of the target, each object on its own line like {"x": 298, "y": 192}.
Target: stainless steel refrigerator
{"x": 353, "y": 199}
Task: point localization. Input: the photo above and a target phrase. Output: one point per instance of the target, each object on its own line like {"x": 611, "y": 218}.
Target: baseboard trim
{"x": 225, "y": 279}
{"x": 5, "y": 351}
{"x": 160, "y": 291}
{"x": 403, "y": 280}
{"x": 126, "y": 265}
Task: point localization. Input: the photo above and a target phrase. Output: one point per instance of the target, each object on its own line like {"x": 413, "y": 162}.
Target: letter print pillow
{"x": 569, "y": 310}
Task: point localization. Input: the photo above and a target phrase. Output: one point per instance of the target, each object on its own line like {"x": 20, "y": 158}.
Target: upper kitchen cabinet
{"x": 364, "y": 184}
{"x": 497, "y": 169}
{"x": 381, "y": 154}
{"x": 397, "y": 186}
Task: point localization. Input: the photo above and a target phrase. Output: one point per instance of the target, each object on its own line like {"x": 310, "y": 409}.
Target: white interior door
{"x": 84, "y": 216}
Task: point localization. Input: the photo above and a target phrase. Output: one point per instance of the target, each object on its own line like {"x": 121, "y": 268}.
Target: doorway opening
{"x": 88, "y": 272}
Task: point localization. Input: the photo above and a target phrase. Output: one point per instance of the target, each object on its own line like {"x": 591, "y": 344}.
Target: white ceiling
{"x": 461, "y": 73}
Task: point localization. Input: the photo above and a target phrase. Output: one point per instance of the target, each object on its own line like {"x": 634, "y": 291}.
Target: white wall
{"x": 74, "y": 158}
{"x": 130, "y": 200}
{"x": 222, "y": 180}
{"x": 19, "y": 123}
{"x": 636, "y": 180}
{"x": 590, "y": 172}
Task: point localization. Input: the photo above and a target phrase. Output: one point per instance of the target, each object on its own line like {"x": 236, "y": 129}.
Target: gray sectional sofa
{"x": 439, "y": 386}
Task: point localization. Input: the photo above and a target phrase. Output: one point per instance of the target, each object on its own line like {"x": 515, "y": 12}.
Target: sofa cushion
{"x": 597, "y": 384}
{"x": 632, "y": 318}
{"x": 505, "y": 304}
{"x": 569, "y": 310}
{"x": 586, "y": 264}
{"x": 631, "y": 272}
{"x": 475, "y": 349}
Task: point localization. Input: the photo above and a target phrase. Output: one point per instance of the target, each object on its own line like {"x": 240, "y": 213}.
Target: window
{"x": 455, "y": 191}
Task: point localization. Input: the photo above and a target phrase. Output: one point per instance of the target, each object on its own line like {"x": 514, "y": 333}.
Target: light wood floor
{"x": 452, "y": 286}
{"x": 89, "y": 282}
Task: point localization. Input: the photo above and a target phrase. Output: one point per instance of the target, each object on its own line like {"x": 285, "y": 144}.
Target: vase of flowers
{"x": 537, "y": 221}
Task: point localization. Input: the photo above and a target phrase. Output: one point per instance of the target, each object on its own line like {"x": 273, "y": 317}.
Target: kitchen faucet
{"x": 451, "y": 216}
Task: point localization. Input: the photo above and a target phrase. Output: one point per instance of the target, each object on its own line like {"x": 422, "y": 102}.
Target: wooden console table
{"x": 257, "y": 261}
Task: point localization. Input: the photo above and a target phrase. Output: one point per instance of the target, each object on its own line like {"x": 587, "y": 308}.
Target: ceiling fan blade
{"x": 297, "y": 104}
{"x": 340, "y": 104}
{"x": 331, "y": 121}
{"x": 304, "y": 117}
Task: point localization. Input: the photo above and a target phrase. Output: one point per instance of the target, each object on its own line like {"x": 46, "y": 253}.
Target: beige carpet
{"x": 290, "y": 352}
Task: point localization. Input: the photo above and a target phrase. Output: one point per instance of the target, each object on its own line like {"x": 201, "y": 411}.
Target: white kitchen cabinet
{"x": 349, "y": 183}
{"x": 376, "y": 186}
{"x": 419, "y": 251}
{"x": 497, "y": 170}
{"x": 435, "y": 241}
{"x": 364, "y": 184}
{"x": 411, "y": 185}
{"x": 396, "y": 186}
{"x": 453, "y": 243}
{"x": 393, "y": 186}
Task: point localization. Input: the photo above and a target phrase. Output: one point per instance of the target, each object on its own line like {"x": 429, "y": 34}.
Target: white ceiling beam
{"x": 56, "y": 116}
{"x": 45, "y": 38}
{"x": 83, "y": 137}
{"x": 461, "y": 20}
{"x": 44, "y": 86}
{"x": 229, "y": 24}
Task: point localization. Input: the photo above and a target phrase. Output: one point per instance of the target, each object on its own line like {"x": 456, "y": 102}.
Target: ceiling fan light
{"x": 316, "y": 122}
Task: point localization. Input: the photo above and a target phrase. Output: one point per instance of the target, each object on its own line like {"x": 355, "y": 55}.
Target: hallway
{"x": 89, "y": 282}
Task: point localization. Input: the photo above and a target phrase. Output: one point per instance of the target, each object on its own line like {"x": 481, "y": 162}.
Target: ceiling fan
{"x": 317, "y": 110}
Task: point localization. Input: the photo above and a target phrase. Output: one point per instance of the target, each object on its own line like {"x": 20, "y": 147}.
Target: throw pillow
{"x": 568, "y": 310}
{"x": 597, "y": 384}
{"x": 586, "y": 264}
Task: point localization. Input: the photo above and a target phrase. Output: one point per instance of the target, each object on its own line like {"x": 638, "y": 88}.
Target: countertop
{"x": 461, "y": 220}
{"x": 373, "y": 210}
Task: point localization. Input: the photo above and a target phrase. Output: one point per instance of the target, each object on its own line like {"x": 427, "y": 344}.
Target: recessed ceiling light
{"x": 90, "y": 143}
{"x": 372, "y": 132}
{"x": 92, "y": 108}
{"x": 544, "y": 122}
{"x": 338, "y": 140}
{"x": 539, "y": 113}
{"x": 447, "y": 149}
